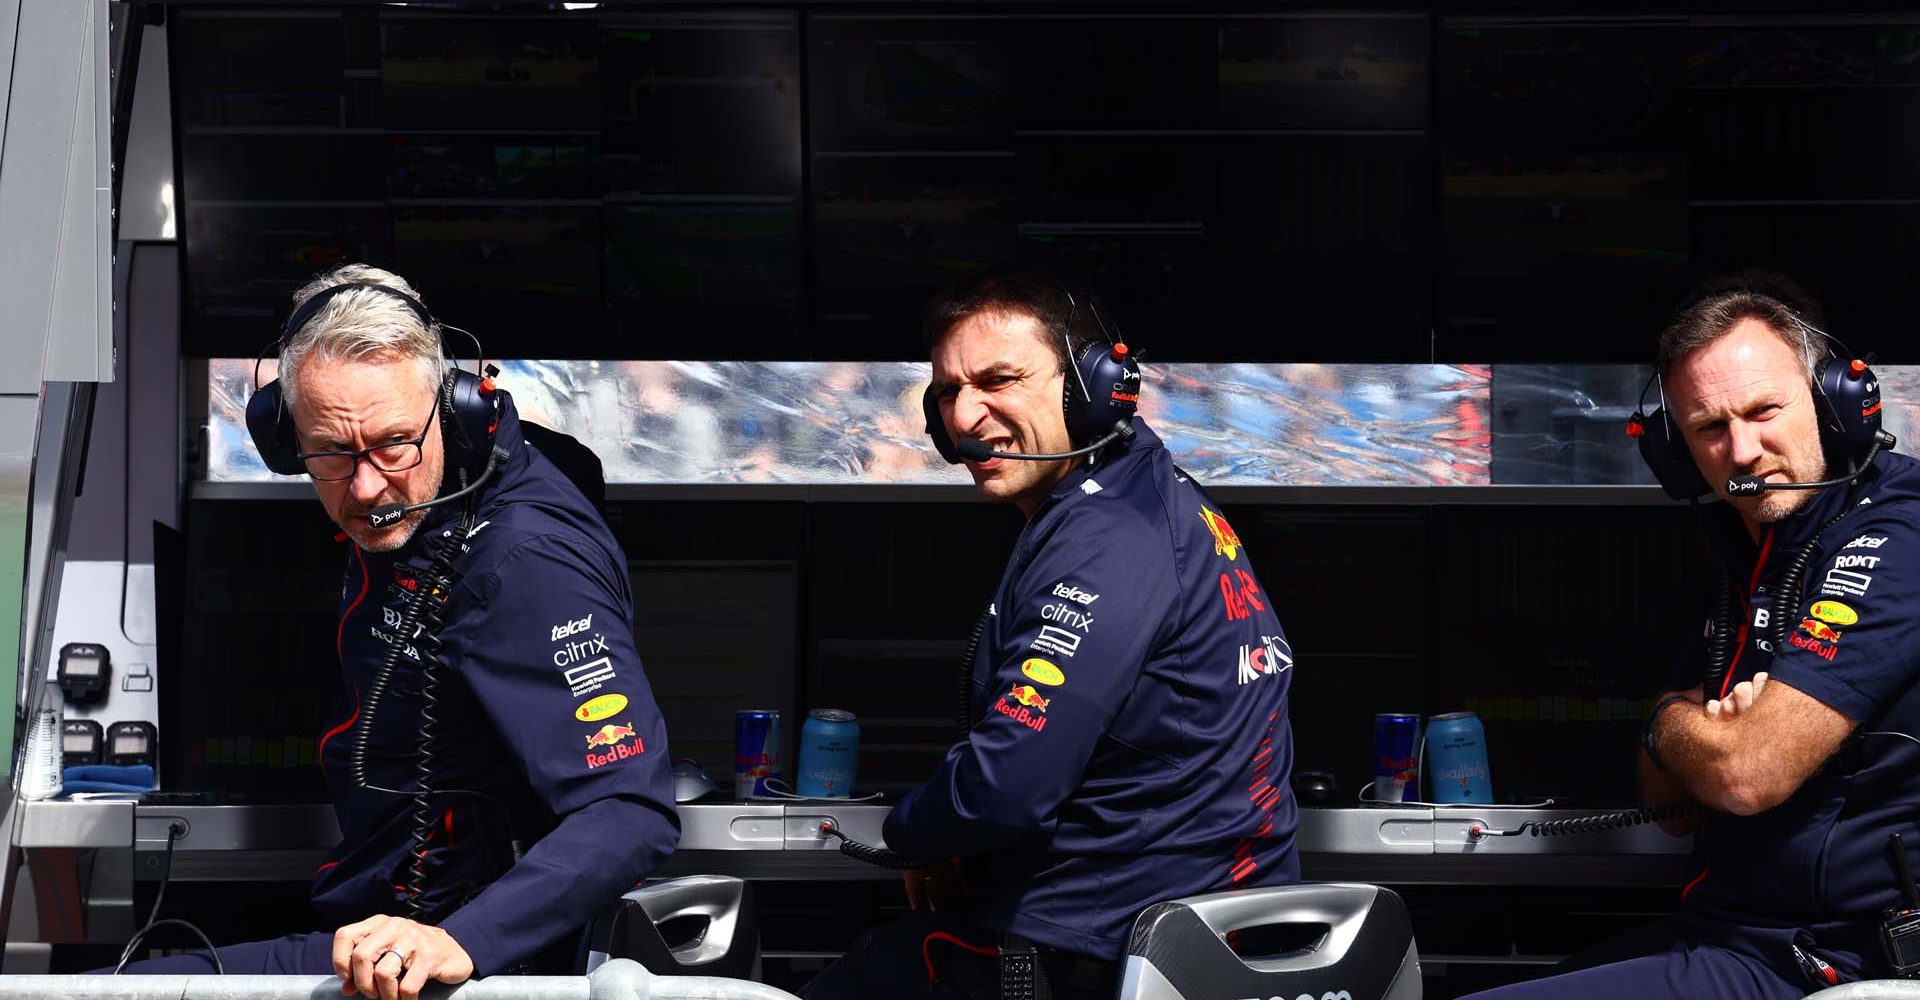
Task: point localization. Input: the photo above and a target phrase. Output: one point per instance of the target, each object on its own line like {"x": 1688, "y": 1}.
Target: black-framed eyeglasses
{"x": 398, "y": 456}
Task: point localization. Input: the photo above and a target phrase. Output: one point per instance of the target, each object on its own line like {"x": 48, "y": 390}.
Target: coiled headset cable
{"x": 420, "y": 622}
{"x": 963, "y": 707}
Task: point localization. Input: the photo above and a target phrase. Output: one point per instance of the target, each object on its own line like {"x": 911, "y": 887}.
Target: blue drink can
{"x": 1457, "y": 759}
{"x": 756, "y": 751}
{"x": 1396, "y": 757}
{"x": 829, "y": 749}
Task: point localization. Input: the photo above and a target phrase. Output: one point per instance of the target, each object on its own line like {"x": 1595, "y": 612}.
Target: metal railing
{"x": 619, "y": 979}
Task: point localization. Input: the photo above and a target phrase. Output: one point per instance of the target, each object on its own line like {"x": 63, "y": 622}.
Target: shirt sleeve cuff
{"x": 1831, "y": 691}
{"x": 466, "y": 929}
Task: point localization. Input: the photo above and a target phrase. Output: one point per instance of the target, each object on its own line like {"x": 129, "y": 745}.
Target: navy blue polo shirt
{"x": 1819, "y": 862}
{"x": 546, "y": 735}
{"x": 1132, "y": 742}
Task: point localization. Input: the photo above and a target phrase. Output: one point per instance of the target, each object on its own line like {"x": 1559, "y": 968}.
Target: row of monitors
{"x": 1527, "y": 280}
{"x": 773, "y": 184}
{"x": 946, "y": 79}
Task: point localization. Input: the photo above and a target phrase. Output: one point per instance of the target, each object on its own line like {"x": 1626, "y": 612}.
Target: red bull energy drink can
{"x": 1396, "y": 757}
{"x": 756, "y": 751}
{"x": 1457, "y": 759}
{"x": 829, "y": 751}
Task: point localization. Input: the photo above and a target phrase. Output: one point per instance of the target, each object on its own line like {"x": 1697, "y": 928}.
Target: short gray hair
{"x": 363, "y": 326}
{"x": 1767, "y": 298}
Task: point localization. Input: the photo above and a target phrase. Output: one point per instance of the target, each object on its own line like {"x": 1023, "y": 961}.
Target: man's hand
{"x": 931, "y": 888}
{"x": 1744, "y": 753}
{"x": 1738, "y": 700}
{"x": 392, "y": 957}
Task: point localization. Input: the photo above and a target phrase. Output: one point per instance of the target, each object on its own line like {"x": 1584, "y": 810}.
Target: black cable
{"x": 213, "y": 954}
{"x": 964, "y": 709}
{"x": 878, "y": 856}
{"x": 421, "y": 623}
{"x": 1604, "y": 821}
{"x": 1720, "y": 644}
{"x": 174, "y": 832}
{"x": 426, "y": 584}
{"x": 429, "y": 639}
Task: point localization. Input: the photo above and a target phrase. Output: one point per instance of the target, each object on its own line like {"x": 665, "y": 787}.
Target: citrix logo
{"x": 1063, "y": 613}
{"x": 579, "y": 649}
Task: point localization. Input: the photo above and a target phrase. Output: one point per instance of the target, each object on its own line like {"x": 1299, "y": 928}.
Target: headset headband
{"x": 318, "y": 300}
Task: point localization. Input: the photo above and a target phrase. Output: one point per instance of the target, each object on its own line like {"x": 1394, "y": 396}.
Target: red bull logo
{"x": 1820, "y": 639}
{"x": 1819, "y": 629}
{"x": 1241, "y": 598}
{"x": 1035, "y": 721}
{"x": 1225, "y": 542}
{"x": 625, "y": 751}
{"x": 614, "y": 739}
{"x": 610, "y": 735}
{"x": 1026, "y": 695}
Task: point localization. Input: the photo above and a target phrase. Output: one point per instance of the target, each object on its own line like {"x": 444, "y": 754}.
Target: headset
{"x": 1846, "y": 398}
{"x": 469, "y": 409}
{"x": 1099, "y": 401}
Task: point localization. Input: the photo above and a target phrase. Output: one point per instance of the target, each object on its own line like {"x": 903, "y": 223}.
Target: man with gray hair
{"x": 497, "y": 763}
{"x": 1795, "y": 727}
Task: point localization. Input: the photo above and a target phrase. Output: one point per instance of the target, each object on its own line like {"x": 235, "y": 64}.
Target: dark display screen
{"x": 794, "y": 182}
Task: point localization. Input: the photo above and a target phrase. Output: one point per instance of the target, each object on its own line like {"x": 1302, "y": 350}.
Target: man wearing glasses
{"x": 524, "y": 712}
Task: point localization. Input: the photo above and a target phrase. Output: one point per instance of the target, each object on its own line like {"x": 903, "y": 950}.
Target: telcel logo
{"x": 580, "y": 625}
{"x": 1074, "y": 594}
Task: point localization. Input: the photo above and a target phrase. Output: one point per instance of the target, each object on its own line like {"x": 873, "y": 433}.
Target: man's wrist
{"x": 1652, "y": 727}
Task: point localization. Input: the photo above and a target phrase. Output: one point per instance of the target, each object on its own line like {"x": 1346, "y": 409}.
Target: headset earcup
{"x": 1849, "y": 408}
{"x": 468, "y": 417}
{"x": 1113, "y": 385}
{"x": 1668, "y": 458}
{"x": 936, "y": 427}
{"x": 271, "y": 427}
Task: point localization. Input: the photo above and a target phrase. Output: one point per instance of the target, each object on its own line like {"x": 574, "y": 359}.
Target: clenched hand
{"x": 392, "y": 957}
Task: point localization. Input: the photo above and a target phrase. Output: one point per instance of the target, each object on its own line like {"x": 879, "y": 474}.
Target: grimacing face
{"x": 998, "y": 381}
{"x": 347, "y": 405}
{"x": 1744, "y": 407}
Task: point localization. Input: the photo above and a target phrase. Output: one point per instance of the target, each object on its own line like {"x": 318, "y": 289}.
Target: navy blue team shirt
{"x": 1132, "y": 742}
{"x": 543, "y": 719}
{"x": 1818, "y": 864}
